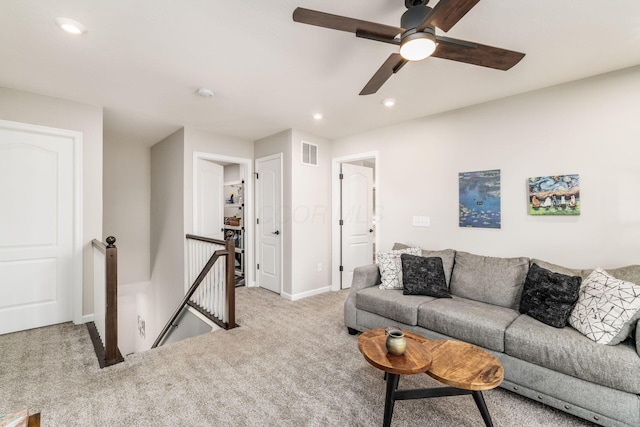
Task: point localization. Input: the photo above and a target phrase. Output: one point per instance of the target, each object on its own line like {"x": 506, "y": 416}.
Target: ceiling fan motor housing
{"x": 414, "y": 16}
{"x": 411, "y": 3}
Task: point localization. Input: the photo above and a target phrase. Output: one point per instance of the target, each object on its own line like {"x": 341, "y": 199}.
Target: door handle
{"x": 276, "y": 232}
{"x": 371, "y": 230}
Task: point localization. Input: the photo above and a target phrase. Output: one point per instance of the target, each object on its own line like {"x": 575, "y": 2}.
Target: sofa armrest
{"x": 363, "y": 277}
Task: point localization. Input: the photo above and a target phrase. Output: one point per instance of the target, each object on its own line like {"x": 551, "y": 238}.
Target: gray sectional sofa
{"x": 558, "y": 367}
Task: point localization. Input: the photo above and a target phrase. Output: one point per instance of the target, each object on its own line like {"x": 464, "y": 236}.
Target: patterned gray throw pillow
{"x": 391, "y": 267}
{"x": 607, "y": 308}
{"x": 549, "y": 297}
{"x": 423, "y": 276}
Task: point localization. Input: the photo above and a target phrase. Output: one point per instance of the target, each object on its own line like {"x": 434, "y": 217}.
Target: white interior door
{"x": 357, "y": 216}
{"x": 269, "y": 226}
{"x": 37, "y": 225}
{"x": 209, "y": 200}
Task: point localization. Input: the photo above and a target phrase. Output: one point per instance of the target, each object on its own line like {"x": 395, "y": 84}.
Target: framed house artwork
{"x": 554, "y": 195}
{"x": 479, "y": 199}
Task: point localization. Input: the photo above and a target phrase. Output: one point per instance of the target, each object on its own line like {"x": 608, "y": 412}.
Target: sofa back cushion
{"x": 493, "y": 280}
{"x": 447, "y": 255}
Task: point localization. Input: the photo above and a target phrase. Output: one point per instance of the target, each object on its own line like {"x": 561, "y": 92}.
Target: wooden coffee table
{"x": 464, "y": 368}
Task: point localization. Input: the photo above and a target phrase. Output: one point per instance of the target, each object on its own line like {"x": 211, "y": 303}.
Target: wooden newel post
{"x": 112, "y": 355}
{"x": 231, "y": 283}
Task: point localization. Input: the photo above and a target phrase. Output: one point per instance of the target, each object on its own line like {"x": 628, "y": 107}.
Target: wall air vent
{"x": 309, "y": 154}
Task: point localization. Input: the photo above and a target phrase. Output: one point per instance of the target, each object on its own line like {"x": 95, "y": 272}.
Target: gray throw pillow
{"x": 549, "y": 297}
{"x": 423, "y": 276}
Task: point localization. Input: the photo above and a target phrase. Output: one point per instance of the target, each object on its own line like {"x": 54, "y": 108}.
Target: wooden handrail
{"x": 207, "y": 239}
{"x": 229, "y": 253}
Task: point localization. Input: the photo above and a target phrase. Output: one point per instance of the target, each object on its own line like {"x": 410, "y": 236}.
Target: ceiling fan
{"x": 416, "y": 37}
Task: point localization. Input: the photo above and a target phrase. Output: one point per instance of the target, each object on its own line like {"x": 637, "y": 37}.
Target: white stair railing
{"x": 211, "y": 294}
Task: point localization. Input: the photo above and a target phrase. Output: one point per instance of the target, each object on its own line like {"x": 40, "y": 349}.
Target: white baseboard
{"x": 88, "y": 318}
{"x": 301, "y": 295}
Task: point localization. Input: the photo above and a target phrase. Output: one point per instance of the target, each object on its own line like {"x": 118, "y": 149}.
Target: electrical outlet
{"x": 421, "y": 221}
{"x": 141, "y": 326}
{"x": 319, "y": 266}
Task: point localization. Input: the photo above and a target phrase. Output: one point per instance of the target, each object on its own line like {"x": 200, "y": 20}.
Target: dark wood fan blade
{"x": 482, "y": 55}
{"x": 447, "y": 13}
{"x": 342, "y": 23}
{"x": 392, "y": 65}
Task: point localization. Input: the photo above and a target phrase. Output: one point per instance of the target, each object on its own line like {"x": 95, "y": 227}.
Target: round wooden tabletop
{"x": 415, "y": 360}
{"x": 464, "y": 365}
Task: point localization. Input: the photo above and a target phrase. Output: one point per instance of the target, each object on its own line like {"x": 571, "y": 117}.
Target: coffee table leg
{"x": 482, "y": 406}
{"x": 389, "y": 401}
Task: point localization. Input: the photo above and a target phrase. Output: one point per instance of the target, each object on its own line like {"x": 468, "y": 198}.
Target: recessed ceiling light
{"x": 389, "y": 102}
{"x": 71, "y": 26}
{"x": 318, "y": 116}
{"x": 204, "y": 92}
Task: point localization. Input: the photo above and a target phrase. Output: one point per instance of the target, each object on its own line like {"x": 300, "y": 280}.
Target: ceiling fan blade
{"x": 392, "y": 65}
{"x": 482, "y": 55}
{"x": 447, "y": 13}
{"x": 342, "y": 23}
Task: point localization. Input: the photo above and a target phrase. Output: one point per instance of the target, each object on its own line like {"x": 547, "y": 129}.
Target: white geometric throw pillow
{"x": 391, "y": 267}
{"x": 607, "y": 308}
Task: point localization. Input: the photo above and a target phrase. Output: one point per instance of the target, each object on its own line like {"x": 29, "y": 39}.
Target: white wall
{"x": 127, "y": 199}
{"x": 589, "y": 127}
{"x": 41, "y": 110}
{"x": 306, "y": 235}
{"x": 311, "y": 215}
{"x": 167, "y": 234}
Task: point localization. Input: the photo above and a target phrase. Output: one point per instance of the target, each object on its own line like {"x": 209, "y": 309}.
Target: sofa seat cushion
{"x": 391, "y": 303}
{"x": 493, "y": 280}
{"x": 467, "y": 320}
{"x": 568, "y": 351}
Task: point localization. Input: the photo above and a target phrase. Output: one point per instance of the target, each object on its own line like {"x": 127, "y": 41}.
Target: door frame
{"x": 336, "y": 240}
{"x": 77, "y": 239}
{"x": 281, "y": 225}
{"x": 248, "y": 205}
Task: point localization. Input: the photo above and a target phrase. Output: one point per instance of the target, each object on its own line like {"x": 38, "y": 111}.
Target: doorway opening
{"x": 355, "y": 188}
{"x": 223, "y": 206}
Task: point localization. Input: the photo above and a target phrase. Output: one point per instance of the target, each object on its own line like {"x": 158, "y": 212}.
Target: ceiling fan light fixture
{"x": 417, "y": 46}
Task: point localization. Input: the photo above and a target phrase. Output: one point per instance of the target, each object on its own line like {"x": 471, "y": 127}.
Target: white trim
{"x": 87, "y": 318}
{"x": 306, "y": 294}
{"x": 335, "y": 200}
{"x": 257, "y": 276}
{"x": 249, "y": 230}
{"x": 77, "y": 244}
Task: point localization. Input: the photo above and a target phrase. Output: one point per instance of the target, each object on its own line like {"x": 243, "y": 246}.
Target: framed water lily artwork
{"x": 554, "y": 195}
{"x": 479, "y": 199}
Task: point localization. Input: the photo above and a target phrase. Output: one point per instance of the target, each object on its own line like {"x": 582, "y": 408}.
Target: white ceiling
{"x": 144, "y": 59}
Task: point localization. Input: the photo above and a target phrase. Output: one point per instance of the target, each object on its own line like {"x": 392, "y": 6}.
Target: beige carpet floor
{"x": 288, "y": 364}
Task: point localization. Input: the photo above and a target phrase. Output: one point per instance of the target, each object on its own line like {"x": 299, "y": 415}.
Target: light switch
{"x": 421, "y": 221}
